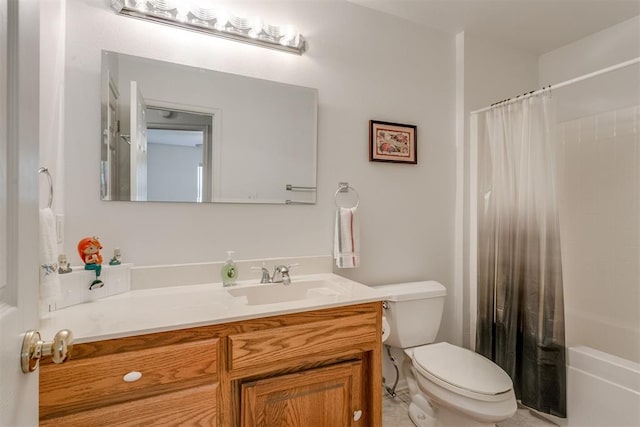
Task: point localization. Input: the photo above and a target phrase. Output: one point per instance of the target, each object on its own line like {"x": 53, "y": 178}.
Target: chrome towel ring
{"x": 344, "y": 187}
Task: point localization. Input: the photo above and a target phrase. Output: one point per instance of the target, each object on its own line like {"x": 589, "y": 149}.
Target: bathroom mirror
{"x": 176, "y": 133}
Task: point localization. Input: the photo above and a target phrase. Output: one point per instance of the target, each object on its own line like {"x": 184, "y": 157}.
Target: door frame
{"x": 19, "y": 301}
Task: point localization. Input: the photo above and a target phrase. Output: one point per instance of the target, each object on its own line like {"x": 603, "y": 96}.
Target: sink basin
{"x": 274, "y": 293}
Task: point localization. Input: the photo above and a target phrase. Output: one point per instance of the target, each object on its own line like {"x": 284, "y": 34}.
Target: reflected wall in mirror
{"x": 176, "y": 133}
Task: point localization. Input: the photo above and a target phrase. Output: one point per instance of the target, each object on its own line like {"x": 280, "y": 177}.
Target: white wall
{"x": 172, "y": 172}
{"x": 611, "y": 46}
{"x": 402, "y": 74}
{"x": 599, "y": 190}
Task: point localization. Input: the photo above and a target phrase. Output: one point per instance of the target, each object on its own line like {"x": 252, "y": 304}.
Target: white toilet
{"x": 449, "y": 385}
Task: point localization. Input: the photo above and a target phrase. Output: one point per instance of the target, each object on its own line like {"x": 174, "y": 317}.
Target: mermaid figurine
{"x": 89, "y": 251}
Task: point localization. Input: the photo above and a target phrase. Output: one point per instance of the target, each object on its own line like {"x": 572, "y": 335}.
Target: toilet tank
{"x": 414, "y": 312}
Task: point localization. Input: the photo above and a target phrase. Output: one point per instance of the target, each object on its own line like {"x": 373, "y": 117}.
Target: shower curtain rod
{"x": 561, "y": 85}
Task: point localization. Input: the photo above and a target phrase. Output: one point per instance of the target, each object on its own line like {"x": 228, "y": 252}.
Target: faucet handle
{"x": 280, "y": 269}
{"x": 266, "y": 278}
{"x": 281, "y": 274}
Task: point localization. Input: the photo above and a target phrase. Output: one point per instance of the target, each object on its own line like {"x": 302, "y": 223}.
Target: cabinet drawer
{"x": 192, "y": 407}
{"x": 252, "y": 352}
{"x": 96, "y": 382}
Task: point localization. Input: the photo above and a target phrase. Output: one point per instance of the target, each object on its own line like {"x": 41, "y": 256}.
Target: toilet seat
{"x": 462, "y": 371}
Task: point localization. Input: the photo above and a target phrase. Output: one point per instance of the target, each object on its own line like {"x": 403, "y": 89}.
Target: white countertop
{"x": 156, "y": 310}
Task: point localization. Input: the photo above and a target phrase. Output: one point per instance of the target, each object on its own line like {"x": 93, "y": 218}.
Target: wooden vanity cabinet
{"x": 316, "y": 368}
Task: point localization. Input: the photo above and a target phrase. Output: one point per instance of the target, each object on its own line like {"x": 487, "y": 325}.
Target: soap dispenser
{"x": 229, "y": 273}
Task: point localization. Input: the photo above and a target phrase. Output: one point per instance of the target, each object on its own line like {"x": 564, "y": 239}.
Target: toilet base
{"x": 421, "y": 413}
{"x": 444, "y": 417}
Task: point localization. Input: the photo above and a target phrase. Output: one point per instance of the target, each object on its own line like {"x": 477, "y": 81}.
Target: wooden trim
{"x": 372, "y": 378}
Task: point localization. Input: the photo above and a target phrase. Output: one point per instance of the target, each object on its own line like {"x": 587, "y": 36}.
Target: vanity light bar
{"x": 183, "y": 14}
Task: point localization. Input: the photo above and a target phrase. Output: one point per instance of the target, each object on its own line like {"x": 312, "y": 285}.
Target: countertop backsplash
{"x": 74, "y": 286}
{"x": 162, "y": 276}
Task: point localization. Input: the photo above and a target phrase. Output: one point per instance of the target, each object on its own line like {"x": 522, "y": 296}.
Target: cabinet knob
{"x": 132, "y": 376}
{"x": 33, "y": 349}
{"x": 357, "y": 415}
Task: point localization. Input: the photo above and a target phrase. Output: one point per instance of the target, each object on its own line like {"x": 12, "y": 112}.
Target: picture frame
{"x": 393, "y": 142}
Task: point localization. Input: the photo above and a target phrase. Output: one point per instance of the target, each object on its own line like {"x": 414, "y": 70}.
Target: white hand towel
{"x": 49, "y": 280}
{"x": 346, "y": 247}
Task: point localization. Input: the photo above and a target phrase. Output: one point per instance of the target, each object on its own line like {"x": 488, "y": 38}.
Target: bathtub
{"x": 603, "y": 390}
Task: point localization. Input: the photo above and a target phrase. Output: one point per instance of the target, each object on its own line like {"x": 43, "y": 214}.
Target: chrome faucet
{"x": 265, "y": 276}
{"x": 281, "y": 275}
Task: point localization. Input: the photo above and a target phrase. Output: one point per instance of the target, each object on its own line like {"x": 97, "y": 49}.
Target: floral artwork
{"x": 392, "y": 142}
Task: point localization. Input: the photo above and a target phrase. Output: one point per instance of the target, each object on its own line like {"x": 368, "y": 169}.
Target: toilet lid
{"x": 462, "y": 368}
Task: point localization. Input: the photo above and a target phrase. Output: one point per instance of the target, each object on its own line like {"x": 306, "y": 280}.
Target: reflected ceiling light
{"x": 216, "y": 22}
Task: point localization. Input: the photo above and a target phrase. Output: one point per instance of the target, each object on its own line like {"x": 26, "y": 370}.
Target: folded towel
{"x": 49, "y": 280}
{"x": 346, "y": 247}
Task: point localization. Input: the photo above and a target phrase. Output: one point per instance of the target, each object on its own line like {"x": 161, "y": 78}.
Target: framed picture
{"x": 392, "y": 142}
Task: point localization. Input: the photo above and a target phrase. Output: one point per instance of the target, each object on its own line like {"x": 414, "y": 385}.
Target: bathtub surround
{"x": 600, "y": 216}
{"x": 520, "y": 321}
{"x": 599, "y": 192}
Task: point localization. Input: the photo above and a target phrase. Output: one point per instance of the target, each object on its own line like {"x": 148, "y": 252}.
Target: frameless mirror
{"x": 176, "y": 133}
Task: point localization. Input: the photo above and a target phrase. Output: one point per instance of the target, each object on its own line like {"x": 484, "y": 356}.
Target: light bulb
{"x": 289, "y": 34}
{"x": 141, "y": 5}
{"x": 183, "y": 7}
{"x": 222, "y": 18}
{"x": 256, "y": 27}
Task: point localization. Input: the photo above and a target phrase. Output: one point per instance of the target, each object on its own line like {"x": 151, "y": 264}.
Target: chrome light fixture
{"x": 192, "y": 16}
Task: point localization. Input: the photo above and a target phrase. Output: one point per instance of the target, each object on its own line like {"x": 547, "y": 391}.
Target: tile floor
{"x": 394, "y": 414}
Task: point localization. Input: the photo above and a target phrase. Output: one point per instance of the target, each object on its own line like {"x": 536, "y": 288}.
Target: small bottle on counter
{"x": 117, "y": 257}
{"x": 63, "y": 264}
{"x": 229, "y": 272}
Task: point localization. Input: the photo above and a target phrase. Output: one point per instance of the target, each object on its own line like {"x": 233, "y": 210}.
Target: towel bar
{"x": 292, "y": 202}
{"x": 290, "y": 187}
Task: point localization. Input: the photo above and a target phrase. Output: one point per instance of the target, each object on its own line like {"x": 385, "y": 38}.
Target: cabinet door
{"x": 323, "y": 397}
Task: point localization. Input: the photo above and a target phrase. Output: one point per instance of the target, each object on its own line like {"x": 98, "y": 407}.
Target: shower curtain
{"x": 520, "y": 321}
